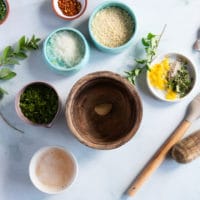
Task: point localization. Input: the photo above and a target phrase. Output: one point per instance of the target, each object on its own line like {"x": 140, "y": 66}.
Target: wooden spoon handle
{"x": 158, "y": 158}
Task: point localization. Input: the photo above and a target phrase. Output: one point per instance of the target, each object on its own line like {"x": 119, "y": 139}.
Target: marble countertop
{"x": 103, "y": 175}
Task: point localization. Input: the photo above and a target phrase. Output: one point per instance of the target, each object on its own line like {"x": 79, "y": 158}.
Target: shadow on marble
{"x": 48, "y": 18}
{"x": 17, "y": 181}
{"x": 81, "y": 152}
{"x": 40, "y": 70}
{"x": 8, "y": 111}
{"x": 83, "y": 28}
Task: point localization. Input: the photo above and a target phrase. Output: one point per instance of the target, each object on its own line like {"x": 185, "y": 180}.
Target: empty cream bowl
{"x": 167, "y": 67}
{"x": 112, "y": 26}
{"x": 66, "y": 49}
{"x": 53, "y": 169}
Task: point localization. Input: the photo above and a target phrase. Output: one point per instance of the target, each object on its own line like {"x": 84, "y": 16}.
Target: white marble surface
{"x": 103, "y": 175}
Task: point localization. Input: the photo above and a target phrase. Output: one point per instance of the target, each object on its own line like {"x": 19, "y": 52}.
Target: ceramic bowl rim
{"x": 25, "y": 119}
{"x": 114, "y": 4}
{"x": 80, "y": 35}
{"x": 130, "y": 88}
{"x": 191, "y": 65}
{"x": 67, "y": 17}
{"x": 69, "y": 153}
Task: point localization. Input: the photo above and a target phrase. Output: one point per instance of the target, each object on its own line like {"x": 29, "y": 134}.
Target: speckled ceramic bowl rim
{"x": 191, "y": 65}
{"x": 114, "y": 4}
{"x": 69, "y": 18}
{"x": 80, "y": 35}
{"x": 7, "y": 13}
{"x": 25, "y": 119}
{"x": 69, "y": 153}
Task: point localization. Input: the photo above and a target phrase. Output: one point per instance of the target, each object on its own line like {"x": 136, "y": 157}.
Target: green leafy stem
{"x": 150, "y": 43}
{"x": 11, "y": 55}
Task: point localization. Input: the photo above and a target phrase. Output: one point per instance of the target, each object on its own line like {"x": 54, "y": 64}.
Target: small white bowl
{"x": 190, "y": 67}
{"x": 59, "y": 13}
{"x": 40, "y": 156}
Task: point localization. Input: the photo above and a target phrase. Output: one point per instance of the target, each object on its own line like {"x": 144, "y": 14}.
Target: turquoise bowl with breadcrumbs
{"x": 103, "y": 47}
{"x": 59, "y": 64}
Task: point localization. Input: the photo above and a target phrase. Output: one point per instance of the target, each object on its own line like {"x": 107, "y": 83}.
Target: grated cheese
{"x": 65, "y": 49}
{"x": 158, "y": 78}
{"x": 112, "y": 26}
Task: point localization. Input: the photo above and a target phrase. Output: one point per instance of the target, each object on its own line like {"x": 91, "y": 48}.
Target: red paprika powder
{"x": 69, "y": 7}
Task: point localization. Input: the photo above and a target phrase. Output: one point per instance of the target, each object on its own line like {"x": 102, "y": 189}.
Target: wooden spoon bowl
{"x": 103, "y": 131}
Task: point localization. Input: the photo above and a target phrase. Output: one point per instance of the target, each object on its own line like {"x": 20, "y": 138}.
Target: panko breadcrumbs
{"x": 112, "y": 26}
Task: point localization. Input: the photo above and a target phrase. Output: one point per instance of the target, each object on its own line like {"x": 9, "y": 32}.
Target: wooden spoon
{"x": 192, "y": 114}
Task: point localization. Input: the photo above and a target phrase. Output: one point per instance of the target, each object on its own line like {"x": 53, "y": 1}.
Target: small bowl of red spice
{"x": 69, "y": 9}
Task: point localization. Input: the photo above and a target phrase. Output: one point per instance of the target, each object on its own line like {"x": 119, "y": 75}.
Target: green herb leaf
{"x": 141, "y": 61}
{"x": 22, "y": 41}
{"x": 2, "y": 92}
{"x": 21, "y": 55}
{"x": 6, "y": 52}
{"x": 150, "y": 36}
{"x": 6, "y": 74}
{"x": 150, "y": 43}
{"x": 145, "y": 42}
{"x": 11, "y": 55}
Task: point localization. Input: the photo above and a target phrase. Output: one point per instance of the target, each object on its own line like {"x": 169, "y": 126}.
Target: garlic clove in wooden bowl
{"x": 103, "y": 110}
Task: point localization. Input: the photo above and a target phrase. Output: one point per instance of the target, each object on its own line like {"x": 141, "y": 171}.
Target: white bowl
{"x": 39, "y": 157}
{"x": 190, "y": 67}
{"x": 59, "y": 13}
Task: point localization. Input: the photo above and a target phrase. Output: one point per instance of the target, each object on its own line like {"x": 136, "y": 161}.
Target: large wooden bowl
{"x": 111, "y": 130}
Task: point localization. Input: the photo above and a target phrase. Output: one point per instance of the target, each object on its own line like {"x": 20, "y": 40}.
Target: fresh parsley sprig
{"x": 150, "y": 43}
{"x": 11, "y": 55}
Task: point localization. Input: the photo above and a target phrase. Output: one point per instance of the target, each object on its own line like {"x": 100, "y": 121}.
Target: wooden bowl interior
{"x": 104, "y": 130}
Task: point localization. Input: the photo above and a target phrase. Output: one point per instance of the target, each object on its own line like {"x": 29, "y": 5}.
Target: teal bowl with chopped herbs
{"x": 172, "y": 77}
{"x": 38, "y": 103}
{"x": 66, "y": 49}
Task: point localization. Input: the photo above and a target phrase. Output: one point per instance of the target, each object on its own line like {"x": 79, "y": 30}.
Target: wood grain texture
{"x": 106, "y": 131}
{"x": 187, "y": 149}
{"x": 158, "y": 157}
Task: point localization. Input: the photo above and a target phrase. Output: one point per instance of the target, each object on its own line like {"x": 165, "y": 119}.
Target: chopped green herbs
{"x": 39, "y": 103}
{"x": 180, "y": 83}
{"x": 3, "y": 10}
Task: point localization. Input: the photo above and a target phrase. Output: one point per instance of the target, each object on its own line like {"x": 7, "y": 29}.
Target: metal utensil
{"x": 193, "y": 113}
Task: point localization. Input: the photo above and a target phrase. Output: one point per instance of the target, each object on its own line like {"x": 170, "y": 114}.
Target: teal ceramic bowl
{"x": 108, "y": 4}
{"x": 64, "y": 69}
